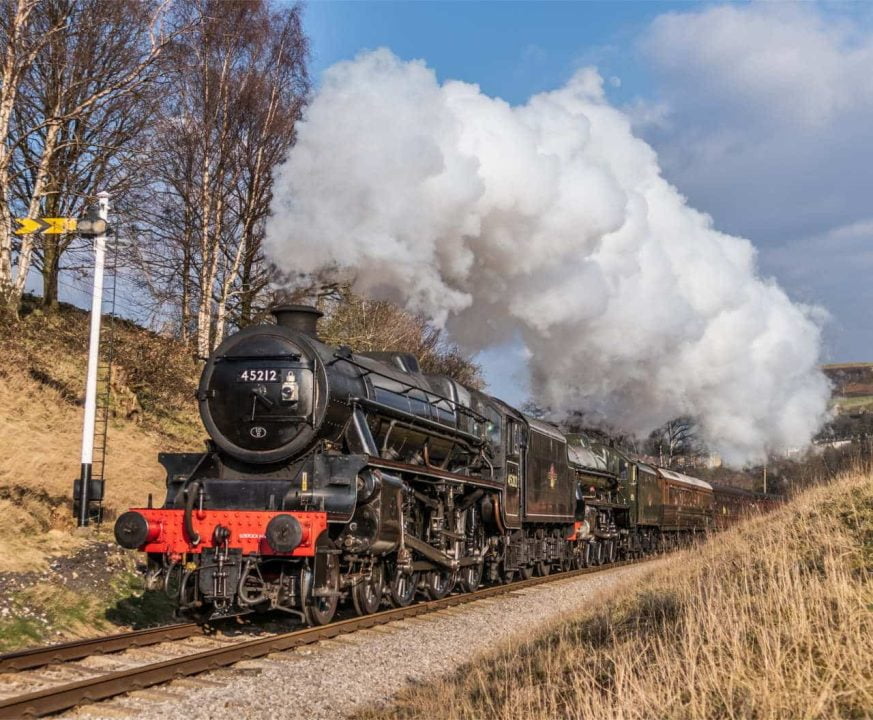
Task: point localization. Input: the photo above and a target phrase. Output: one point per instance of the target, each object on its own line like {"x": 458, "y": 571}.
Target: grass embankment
{"x": 105, "y": 603}
{"x": 42, "y": 369}
{"x": 854, "y": 404}
{"x": 772, "y": 619}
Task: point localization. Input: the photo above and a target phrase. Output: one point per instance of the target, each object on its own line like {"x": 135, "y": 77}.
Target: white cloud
{"x": 781, "y": 63}
{"x": 763, "y": 118}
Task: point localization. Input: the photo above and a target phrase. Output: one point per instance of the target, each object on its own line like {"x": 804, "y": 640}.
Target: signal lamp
{"x": 92, "y": 224}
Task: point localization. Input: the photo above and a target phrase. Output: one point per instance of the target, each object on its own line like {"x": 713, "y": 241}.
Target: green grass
{"x": 18, "y": 633}
{"x": 137, "y": 608}
{"x": 854, "y": 403}
{"x": 40, "y": 608}
{"x": 43, "y": 610}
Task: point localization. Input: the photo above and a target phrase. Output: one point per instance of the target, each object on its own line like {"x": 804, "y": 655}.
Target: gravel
{"x": 331, "y": 679}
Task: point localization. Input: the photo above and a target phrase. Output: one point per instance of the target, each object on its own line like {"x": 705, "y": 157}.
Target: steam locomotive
{"x": 335, "y": 476}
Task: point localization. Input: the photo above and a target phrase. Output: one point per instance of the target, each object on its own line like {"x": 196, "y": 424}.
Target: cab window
{"x": 513, "y": 438}
{"x": 492, "y": 426}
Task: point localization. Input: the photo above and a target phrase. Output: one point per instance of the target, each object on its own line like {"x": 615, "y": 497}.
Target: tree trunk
{"x": 25, "y": 254}
{"x": 247, "y": 292}
{"x": 208, "y": 273}
{"x": 10, "y": 75}
{"x": 51, "y": 262}
{"x": 226, "y": 286}
{"x": 208, "y": 258}
{"x": 51, "y": 252}
{"x": 184, "y": 335}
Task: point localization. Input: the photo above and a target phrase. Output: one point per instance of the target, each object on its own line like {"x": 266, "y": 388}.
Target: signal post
{"x": 86, "y": 490}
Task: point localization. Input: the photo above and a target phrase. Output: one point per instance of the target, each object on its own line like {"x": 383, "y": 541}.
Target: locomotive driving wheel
{"x": 401, "y": 587}
{"x": 319, "y": 604}
{"x": 525, "y": 572}
{"x": 470, "y": 577}
{"x": 583, "y": 555}
{"x": 439, "y": 583}
{"x": 367, "y": 594}
{"x": 505, "y": 574}
{"x": 597, "y": 555}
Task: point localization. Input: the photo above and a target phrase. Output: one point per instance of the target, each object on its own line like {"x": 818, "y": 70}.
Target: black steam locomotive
{"x": 332, "y": 475}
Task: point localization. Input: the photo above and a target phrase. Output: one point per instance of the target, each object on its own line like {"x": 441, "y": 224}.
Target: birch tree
{"x": 83, "y": 101}
{"x": 273, "y": 92}
{"x": 21, "y": 42}
{"x": 239, "y": 83}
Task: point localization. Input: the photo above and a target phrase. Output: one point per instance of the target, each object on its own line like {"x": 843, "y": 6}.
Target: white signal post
{"x": 93, "y": 359}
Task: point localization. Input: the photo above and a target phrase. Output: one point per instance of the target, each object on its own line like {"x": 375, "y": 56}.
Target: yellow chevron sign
{"x": 45, "y": 226}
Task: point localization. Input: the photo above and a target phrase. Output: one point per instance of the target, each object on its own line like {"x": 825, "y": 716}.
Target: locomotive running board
{"x": 429, "y": 471}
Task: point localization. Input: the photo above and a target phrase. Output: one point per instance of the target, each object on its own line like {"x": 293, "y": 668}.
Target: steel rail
{"x": 63, "y": 697}
{"x": 78, "y": 649}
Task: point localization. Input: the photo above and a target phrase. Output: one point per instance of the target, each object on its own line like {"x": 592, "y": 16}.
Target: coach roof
{"x": 687, "y": 479}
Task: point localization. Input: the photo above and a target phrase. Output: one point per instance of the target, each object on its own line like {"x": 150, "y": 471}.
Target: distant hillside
{"x": 853, "y": 386}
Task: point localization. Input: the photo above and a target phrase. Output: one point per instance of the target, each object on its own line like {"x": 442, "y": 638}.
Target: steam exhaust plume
{"x": 551, "y": 222}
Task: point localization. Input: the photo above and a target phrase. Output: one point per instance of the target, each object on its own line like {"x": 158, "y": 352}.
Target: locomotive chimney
{"x": 302, "y": 318}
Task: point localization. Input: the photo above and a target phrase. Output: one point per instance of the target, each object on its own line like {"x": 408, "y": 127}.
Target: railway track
{"x": 103, "y": 685}
{"x": 78, "y": 649}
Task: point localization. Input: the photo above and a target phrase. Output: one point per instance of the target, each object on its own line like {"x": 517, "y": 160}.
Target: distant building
{"x": 713, "y": 460}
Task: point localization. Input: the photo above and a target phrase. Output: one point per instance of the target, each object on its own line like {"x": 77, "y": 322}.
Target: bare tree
{"x": 21, "y": 42}
{"x": 273, "y": 92}
{"x": 82, "y": 105}
{"x": 239, "y": 83}
{"x": 673, "y": 440}
{"x": 182, "y": 106}
{"x": 367, "y": 325}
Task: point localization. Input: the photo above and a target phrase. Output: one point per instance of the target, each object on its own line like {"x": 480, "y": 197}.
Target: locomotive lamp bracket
{"x": 290, "y": 390}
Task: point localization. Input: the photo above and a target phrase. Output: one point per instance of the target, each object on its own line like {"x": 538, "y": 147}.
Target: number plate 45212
{"x": 260, "y": 375}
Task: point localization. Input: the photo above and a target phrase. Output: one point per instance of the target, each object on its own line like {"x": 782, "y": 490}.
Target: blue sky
{"x": 759, "y": 114}
{"x": 511, "y": 49}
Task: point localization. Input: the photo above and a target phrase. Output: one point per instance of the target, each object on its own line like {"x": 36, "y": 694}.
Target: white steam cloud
{"x": 549, "y": 221}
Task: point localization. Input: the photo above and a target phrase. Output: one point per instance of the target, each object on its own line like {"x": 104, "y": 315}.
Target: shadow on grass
{"x": 137, "y": 609}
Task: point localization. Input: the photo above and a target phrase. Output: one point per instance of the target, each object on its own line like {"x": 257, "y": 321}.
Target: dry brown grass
{"x": 42, "y": 366}
{"x": 773, "y": 619}
{"x": 42, "y": 445}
